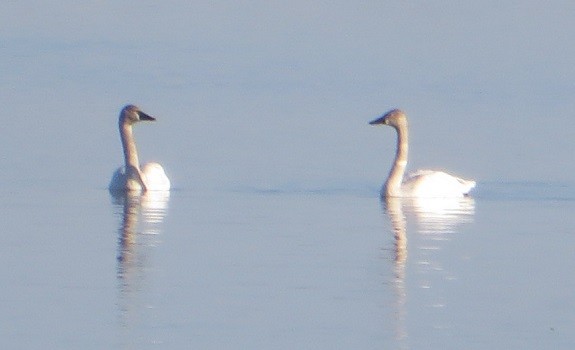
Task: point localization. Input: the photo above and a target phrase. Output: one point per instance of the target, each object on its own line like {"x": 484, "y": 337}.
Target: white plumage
{"x": 130, "y": 177}
{"x": 422, "y": 183}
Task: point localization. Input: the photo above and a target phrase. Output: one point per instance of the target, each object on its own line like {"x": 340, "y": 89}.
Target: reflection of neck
{"x": 128, "y": 233}
{"x": 129, "y": 146}
{"x": 395, "y": 211}
{"x": 398, "y": 221}
{"x": 393, "y": 183}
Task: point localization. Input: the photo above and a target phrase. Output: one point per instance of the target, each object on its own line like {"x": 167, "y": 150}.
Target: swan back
{"x": 430, "y": 183}
{"x": 155, "y": 177}
{"x": 126, "y": 179}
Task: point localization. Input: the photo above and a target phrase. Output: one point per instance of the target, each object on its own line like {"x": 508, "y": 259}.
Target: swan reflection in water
{"x": 142, "y": 215}
{"x": 434, "y": 219}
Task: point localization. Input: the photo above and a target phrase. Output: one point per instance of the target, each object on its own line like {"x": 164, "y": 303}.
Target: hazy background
{"x": 267, "y": 93}
{"x": 273, "y": 235}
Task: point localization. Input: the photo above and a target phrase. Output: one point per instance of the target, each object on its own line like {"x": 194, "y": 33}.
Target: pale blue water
{"x": 223, "y": 269}
{"x": 274, "y": 235}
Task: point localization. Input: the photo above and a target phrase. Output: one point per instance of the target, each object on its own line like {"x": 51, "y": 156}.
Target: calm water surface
{"x": 284, "y": 268}
{"x": 274, "y": 236}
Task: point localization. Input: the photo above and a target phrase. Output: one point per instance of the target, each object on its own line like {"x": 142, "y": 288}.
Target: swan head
{"x": 395, "y": 118}
{"x": 131, "y": 114}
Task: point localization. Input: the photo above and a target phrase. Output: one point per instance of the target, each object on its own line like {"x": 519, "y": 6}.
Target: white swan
{"x": 130, "y": 177}
{"x": 422, "y": 183}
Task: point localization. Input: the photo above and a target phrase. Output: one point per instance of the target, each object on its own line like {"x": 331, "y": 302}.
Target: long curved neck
{"x": 129, "y": 146}
{"x": 393, "y": 183}
{"x": 131, "y": 156}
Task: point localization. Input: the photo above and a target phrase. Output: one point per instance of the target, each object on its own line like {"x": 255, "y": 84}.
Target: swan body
{"x": 422, "y": 183}
{"x": 431, "y": 183}
{"x": 130, "y": 177}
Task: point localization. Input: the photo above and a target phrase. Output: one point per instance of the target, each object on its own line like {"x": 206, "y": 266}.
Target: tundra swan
{"x": 422, "y": 183}
{"x": 131, "y": 177}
